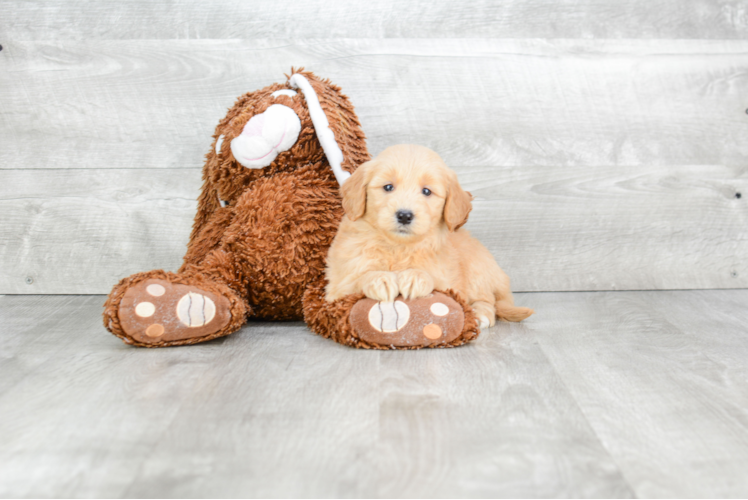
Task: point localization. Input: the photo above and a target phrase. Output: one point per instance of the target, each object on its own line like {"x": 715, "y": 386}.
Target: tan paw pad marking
{"x": 195, "y": 309}
{"x": 439, "y": 309}
{"x": 389, "y": 317}
{"x": 432, "y": 331}
{"x": 156, "y": 290}
{"x": 145, "y": 309}
{"x": 154, "y": 330}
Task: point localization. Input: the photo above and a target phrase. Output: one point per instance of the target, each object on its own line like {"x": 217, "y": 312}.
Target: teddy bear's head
{"x": 283, "y": 127}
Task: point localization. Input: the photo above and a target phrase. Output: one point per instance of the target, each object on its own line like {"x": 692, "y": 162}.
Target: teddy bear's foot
{"x": 156, "y": 311}
{"x": 426, "y": 321}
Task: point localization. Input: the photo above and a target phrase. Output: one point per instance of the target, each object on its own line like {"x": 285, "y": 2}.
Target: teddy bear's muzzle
{"x": 265, "y": 136}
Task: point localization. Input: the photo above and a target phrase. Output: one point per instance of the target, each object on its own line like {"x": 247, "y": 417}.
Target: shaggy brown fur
{"x": 239, "y": 309}
{"x": 264, "y": 248}
{"x": 265, "y": 251}
{"x": 332, "y": 319}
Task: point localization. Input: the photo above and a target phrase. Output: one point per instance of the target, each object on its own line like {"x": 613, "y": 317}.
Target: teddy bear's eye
{"x": 426, "y": 191}
{"x": 389, "y": 187}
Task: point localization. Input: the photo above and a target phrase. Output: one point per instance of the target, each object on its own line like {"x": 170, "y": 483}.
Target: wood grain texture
{"x": 85, "y": 20}
{"x": 661, "y": 377}
{"x": 602, "y": 228}
{"x": 614, "y": 227}
{"x": 81, "y": 231}
{"x": 154, "y": 103}
{"x": 480, "y": 421}
{"x": 90, "y": 417}
{"x": 274, "y": 411}
{"x": 607, "y": 394}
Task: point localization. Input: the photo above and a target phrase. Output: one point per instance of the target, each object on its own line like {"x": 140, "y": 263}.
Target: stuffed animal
{"x": 267, "y": 213}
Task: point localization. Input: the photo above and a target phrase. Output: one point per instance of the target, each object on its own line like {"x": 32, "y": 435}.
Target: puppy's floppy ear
{"x": 458, "y": 204}
{"x": 354, "y": 191}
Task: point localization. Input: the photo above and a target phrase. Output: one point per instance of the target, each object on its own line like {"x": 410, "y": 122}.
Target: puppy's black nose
{"x": 404, "y": 217}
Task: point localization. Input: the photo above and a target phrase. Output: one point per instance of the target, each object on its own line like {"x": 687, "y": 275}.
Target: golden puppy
{"x": 401, "y": 236}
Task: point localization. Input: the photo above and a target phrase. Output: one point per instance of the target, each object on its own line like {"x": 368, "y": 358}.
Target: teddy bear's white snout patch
{"x": 265, "y": 136}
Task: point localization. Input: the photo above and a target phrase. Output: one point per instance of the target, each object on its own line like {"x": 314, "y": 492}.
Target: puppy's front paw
{"x": 381, "y": 286}
{"x": 415, "y": 283}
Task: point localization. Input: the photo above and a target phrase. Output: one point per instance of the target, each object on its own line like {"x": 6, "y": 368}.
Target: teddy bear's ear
{"x": 209, "y": 200}
{"x": 336, "y": 126}
{"x": 335, "y": 123}
{"x": 223, "y": 180}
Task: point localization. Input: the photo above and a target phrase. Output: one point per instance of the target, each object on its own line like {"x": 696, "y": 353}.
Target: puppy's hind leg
{"x": 486, "y": 313}
{"x": 505, "y": 308}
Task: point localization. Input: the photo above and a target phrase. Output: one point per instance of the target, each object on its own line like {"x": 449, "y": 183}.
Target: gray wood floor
{"x": 604, "y": 394}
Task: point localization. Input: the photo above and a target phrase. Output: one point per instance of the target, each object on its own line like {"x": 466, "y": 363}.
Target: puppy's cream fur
{"x": 375, "y": 254}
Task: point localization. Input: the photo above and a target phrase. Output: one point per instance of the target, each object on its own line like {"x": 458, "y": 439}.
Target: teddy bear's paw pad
{"x": 435, "y": 319}
{"x": 156, "y": 311}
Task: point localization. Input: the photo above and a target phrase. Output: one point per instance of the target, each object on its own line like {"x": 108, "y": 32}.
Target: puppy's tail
{"x": 507, "y": 311}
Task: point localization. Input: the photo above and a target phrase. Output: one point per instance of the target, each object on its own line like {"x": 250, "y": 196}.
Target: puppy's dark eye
{"x": 426, "y": 191}
{"x": 389, "y": 187}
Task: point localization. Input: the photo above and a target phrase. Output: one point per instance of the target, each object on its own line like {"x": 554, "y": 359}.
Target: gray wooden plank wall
{"x": 86, "y": 20}
{"x": 604, "y": 141}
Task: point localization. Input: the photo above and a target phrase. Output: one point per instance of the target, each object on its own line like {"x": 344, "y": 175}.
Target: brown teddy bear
{"x": 268, "y": 211}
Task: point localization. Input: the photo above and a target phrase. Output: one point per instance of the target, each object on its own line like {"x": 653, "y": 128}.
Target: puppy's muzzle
{"x": 404, "y": 217}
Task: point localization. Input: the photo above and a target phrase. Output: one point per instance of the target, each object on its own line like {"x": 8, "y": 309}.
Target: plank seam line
{"x": 586, "y": 419}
